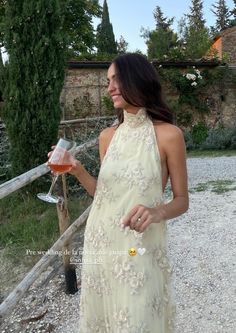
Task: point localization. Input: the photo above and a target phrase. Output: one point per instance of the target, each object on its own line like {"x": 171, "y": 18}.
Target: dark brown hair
{"x": 139, "y": 86}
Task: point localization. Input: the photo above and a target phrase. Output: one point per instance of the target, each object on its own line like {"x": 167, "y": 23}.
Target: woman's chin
{"x": 118, "y": 105}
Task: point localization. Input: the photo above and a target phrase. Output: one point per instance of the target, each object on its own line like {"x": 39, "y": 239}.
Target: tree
{"x": 195, "y": 34}
{"x": 78, "y": 25}
{"x": 162, "y": 41}
{"x": 233, "y": 13}
{"x": 35, "y": 75}
{"x": 2, "y": 15}
{"x": 222, "y": 14}
{"x": 122, "y": 45}
{"x": 106, "y": 43}
{"x": 2, "y": 82}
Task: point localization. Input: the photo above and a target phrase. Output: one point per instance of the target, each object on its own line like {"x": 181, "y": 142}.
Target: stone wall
{"x": 228, "y": 44}
{"x": 83, "y": 92}
{"x": 86, "y": 85}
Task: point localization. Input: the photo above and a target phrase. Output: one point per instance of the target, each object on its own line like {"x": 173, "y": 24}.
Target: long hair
{"x": 139, "y": 86}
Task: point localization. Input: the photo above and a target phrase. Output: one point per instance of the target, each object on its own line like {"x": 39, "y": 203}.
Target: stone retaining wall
{"x": 86, "y": 87}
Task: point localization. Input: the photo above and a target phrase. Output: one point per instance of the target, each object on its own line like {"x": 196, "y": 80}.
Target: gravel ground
{"x": 201, "y": 246}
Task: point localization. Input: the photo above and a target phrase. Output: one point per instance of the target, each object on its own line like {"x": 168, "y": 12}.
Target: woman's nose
{"x": 110, "y": 87}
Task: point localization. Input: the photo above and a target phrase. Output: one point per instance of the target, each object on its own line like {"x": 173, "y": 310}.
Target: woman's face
{"x": 114, "y": 92}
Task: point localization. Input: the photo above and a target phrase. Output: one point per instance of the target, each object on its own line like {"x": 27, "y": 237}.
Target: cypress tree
{"x": 1, "y": 79}
{"x": 35, "y": 75}
{"x": 106, "y": 43}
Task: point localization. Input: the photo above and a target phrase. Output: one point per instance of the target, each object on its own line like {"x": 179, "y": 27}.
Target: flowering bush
{"x": 195, "y": 77}
{"x": 192, "y": 88}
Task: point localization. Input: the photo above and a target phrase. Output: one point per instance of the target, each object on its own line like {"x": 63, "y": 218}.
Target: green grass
{"x": 217, "y": 186}
{"x": 211, "y": 153}
{"x": 28, "y": 223}
{"x": 201, "y": 187}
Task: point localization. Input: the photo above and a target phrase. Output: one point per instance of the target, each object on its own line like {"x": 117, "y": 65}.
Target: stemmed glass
{"x": 59, "y": 163}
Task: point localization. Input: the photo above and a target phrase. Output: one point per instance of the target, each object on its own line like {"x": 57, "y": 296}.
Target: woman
{"x": 125, "y": 274}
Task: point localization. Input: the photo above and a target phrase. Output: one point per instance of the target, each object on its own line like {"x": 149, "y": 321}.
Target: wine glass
{"x": 59, "y": 163}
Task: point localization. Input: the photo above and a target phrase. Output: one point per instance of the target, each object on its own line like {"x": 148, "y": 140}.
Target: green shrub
{"x": 199, "y": 133}
{"x": 220, "y": 138}
{"x": 210, "y": 139}
{"x": 189, "y": 140}
{"x": 108, "y": 104}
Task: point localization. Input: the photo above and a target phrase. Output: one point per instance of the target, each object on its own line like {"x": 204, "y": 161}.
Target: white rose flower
{"x": 191, "y": 76}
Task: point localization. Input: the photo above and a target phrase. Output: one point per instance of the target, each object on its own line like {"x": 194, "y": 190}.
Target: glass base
{"x": 49, "y": 198}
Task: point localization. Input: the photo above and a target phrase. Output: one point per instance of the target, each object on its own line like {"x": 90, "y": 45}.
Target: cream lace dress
{"x": 122, "y": 293}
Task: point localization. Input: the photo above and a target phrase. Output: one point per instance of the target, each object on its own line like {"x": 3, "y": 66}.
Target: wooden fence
{"x": 67, "y": 231}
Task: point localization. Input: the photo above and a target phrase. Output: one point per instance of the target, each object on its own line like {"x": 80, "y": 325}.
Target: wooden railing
{"x": 28, "y": 177}
{"x": 67, "y": 231}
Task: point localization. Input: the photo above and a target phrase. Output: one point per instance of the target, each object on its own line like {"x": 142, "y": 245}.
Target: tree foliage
{"x": 35, "y": 75}
{"x": 195, "y": 33}
{"x": 78, "y": 25}
{"x": 2, "y": 81}
{"x": 163, "y": 40}
{"x": 233, "y": 11}
{"x": 106, "y": 43}
{"x": 122, "y": 45}
{"x": 222, "y": 13}
{"x": 233, "y": 15}
{"x": 2, "y": 15}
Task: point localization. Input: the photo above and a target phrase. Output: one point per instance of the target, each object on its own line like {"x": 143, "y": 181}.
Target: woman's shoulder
{"x": 106, "y": 135}
{"x": 167, "y": 130}
{"x": 107, "y": 132}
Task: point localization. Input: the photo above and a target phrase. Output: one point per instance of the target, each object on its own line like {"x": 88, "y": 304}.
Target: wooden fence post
{"x": 64, "y": 223}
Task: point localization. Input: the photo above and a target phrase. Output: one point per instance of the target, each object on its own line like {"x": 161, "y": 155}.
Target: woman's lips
{"x": 114, "y": 97}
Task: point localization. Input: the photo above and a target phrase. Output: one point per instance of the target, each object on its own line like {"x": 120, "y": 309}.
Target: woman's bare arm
{"x": 174, "y": 159}
{"x": 175, "y": 151}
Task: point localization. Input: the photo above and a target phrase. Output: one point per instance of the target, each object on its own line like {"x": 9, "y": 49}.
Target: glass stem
{"x": 54, "y": 179}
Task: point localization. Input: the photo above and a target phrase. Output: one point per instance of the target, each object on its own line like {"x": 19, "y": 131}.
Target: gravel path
{"x": 202, "y": 252}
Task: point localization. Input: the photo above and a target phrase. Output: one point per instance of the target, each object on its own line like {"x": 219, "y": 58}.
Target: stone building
{"x": 225, "y": 45}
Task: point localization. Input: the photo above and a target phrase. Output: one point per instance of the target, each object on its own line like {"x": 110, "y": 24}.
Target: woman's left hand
{"x": 140, "y": 217}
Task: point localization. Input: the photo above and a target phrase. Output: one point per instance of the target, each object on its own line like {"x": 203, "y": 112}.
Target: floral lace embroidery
{"x": 113, "y": 153}
{"x": 135, "y": 120}
{"x": 124, "y": 271}
{"x": 134, "y": 177}
{"x": 97, "y": 325}
{"x": 96, "y": 236}
{"x": 156, "y": 305}
{"x": 103, "y": 193}
{"x": 116, "y": 221}
{"x": 123, "y": 324}
{"x": 140, "y": 135}
{"x": 160, "y": 305}
{"x": 159, "y": 257}
{"x": 96, "y": 282}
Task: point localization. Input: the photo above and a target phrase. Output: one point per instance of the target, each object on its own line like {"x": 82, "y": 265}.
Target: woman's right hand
{"x": 76, "y": 165}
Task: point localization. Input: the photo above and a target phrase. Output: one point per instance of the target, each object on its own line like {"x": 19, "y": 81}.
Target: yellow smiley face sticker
{"x": 132, "y": 251}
